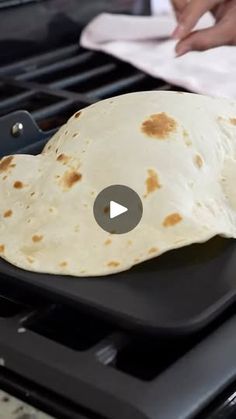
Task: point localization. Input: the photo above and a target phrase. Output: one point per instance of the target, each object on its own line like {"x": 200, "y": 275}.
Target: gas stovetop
{"x": 52, "y": 86}
{"x": 63, "y": 358}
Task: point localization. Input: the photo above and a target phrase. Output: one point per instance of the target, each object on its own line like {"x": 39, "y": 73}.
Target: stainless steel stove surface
{"x": 64, "y": 360}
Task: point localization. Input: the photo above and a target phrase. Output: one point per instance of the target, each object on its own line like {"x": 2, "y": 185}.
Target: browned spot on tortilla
{"x": 107, "y": 242}
{"x": 2, "y": 248}
{"x": 56, "y": 150}
{"x": 75, "y": 134}
{"x": 37, "y": 238}
{"x": 172, "y": 219}
{"x": 30, "y": 260}
{"x": 32, "y": 194}
{"x": 49, "y": 147}
{"x": 187, "y": 140}
{"x": 66, "y": 132}
{"x": 63, "y": 158}
{"x": 7, "y": 214}
{"x": 159, "y": 126}
{"x": 106, "y": 210}
{"x": 232, "y": 121}
{"x": 6, "y": 164}
{"x": 198, "y": 161}
{"x": 77, "y": 115}
{"x": 4, "y": 177}
{"x": 153, "y": 250}
{"x": 70, "y": 178}
{"x": 18, "y": 185}
{"x": 152, "y": 182}
{"x": 129, "y": 242}
{"x": 113, "y": 264}
{"x": 137, "y": 260}
{"x": 63, "y": 264}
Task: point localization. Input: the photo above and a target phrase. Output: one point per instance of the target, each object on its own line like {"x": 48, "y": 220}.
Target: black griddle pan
{"x": 177, "y": 293}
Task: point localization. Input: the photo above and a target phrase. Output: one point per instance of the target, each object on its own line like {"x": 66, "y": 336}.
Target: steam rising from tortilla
{"x": 177, "y": 151}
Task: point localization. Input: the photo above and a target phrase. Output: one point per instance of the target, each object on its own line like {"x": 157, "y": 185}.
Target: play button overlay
{"x": 118, "y": 209}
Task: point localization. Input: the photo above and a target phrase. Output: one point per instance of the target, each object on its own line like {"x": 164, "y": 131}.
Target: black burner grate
{"x": 54, "y": 85}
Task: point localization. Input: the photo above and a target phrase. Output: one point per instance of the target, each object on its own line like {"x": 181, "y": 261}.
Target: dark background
{"x": 30, "y": 26}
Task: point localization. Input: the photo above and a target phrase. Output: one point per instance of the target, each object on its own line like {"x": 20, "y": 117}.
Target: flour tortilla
{"x": 177, "y": 151}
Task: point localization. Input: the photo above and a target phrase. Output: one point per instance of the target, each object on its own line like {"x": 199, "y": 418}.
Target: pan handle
{"x": 19, "y": 130}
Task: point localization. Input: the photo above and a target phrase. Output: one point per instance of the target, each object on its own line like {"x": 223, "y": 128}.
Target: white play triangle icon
{"x": 116, "y": 209}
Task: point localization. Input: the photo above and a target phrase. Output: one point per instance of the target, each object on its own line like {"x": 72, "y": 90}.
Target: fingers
{"x": 178, "y": 6}
{"x": 190, "y": 15}
{"x": 220, "y": 34}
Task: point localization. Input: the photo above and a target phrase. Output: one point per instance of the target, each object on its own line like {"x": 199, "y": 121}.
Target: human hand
{"x": 189, "y": 12}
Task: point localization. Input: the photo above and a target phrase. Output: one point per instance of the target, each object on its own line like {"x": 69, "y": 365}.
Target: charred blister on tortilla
{"x": 18, "y": 184}
{"x": 113, "y": 264}
{"x": 36, "y": 238}
{"x": 8, "y": 213}
{"x": 159, "y": 126}
{"x": 231, "y": 120}
{"x": 6, "y": 163}
{"x": 107, "y": 242}
{"x": 63, "y": 158}
{"x": 198, "y": 161}
{"x": 78, "y": 114}
{"x": 172, "y": 219}
{"x": 69, "y": 179}
{"x": 152, "y": 182}
{"x": 63, "y": 264}
{"x": 153, "y": 250}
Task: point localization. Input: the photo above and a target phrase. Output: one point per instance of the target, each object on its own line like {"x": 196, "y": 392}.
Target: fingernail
{"x": 178, "y": 32}
{"x": 182, "y": 49}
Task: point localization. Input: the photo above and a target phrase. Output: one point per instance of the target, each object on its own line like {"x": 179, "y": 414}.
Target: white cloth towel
{"x": 145, "y": 43}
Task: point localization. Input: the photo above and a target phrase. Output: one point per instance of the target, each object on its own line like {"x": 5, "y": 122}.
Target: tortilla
{"x": 177, "y": 151}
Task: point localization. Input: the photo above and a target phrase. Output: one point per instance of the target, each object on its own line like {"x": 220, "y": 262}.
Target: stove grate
{"x": 69, "y": 78}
